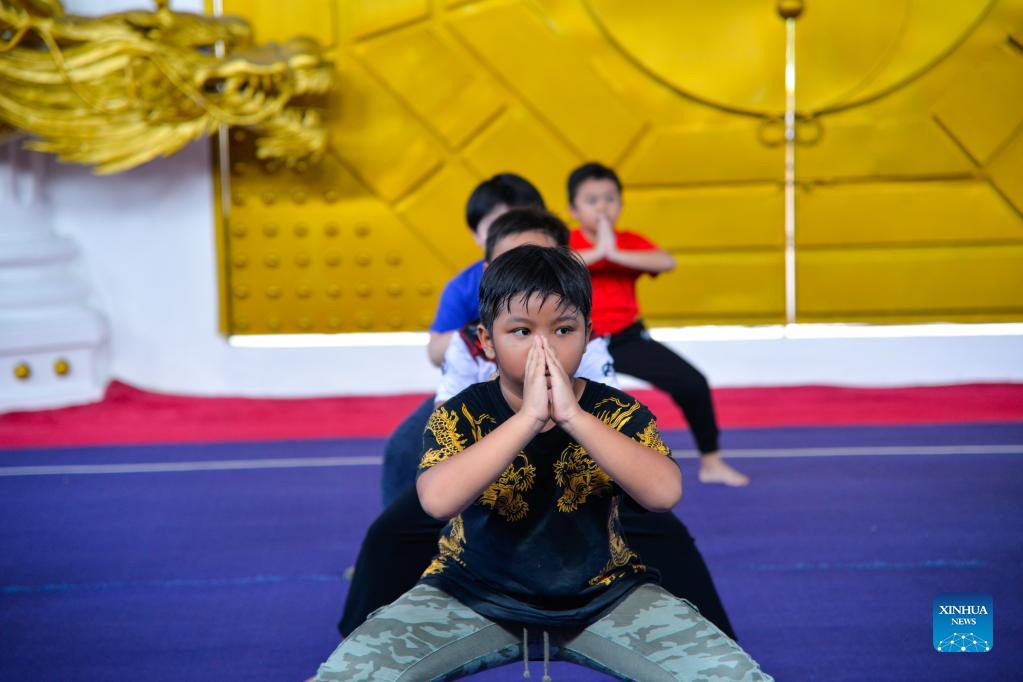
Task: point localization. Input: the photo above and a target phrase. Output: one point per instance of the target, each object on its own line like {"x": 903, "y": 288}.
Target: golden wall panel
{"x": 708, "y": 219}
{"x": 406, "y": 59}
{"x": 985, "y": 106}
{"x": 905, "y": 213}
{"x": 944, "y": 283}
{"x": 555, "y": 79}
{"x": 513, "y": 141}
{"x": 1006, "y": 173}
{"x": 719, "y": 288}
{"x": 909, "y": 155}
{"x": 856, "y": 146}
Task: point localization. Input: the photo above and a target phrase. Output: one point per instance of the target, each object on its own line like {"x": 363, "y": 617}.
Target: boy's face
{"x": 512, "y": 241}
{"x": 594, "y": 198}
{"x": 483, "y": 227}
{"x": 564, "y": 328}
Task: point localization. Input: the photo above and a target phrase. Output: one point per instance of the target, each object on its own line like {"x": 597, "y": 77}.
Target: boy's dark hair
{"x": 535, "y": 270}
{"x": 504, "y": 188}
{"x": 590, "y": 171}
{"x": 519, "y": 220}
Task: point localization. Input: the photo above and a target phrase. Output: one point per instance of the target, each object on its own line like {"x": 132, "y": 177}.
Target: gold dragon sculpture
{"x": 119, "y": 90}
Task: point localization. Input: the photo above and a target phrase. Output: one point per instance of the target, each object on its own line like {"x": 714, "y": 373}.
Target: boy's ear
{"x": 572, "y": 212}
{"x": 486, "y": 341}
{"x": 589, "y": 330}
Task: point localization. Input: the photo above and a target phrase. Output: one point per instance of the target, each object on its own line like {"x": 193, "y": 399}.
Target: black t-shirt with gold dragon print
{"x": 543, "y": 544}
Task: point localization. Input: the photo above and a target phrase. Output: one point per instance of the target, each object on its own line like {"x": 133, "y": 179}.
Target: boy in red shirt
{"x": 616, "y": 259}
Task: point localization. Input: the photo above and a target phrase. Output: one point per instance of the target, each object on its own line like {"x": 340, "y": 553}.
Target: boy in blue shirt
{"x": 531, "y": 470}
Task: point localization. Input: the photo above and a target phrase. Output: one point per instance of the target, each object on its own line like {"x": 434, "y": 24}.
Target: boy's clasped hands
{"x": 548, "y": 393}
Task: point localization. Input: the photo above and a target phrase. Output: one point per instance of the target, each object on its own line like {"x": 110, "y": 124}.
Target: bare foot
{"x": 713, "y": 469}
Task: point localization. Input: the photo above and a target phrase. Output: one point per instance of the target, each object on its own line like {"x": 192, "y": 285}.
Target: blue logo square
{"x": 963, "y": 623}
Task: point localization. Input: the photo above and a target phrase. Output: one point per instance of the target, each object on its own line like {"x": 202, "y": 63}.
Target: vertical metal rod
{"x": 790, "y": 171}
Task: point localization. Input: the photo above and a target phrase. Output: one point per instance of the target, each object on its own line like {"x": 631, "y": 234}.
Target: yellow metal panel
{"x": 724, "y": 218}
{"x": 555, "y": 79}
{"x": 433, "y": 96}
{"x": 1006, "y": 172}
{"x": 516, "y": 142}
{"x": 725, "y": 288}
{"x": 986, "y": 106}
{"x": 905, "y": 213}
{"x": 381, "y": 141}
{"x": 437, "y": 79}
{"x": 278, "y": 21}
{"x": 871, "y": 148}
{"x": 437, "y": 211}
{"x": 896, "y": 283}
{"x": 703, "y": 156}
{"x": 360, "y": 18}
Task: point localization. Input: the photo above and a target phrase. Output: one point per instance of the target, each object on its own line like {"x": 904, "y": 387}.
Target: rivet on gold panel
{"x": 301, "y": 230}
{"x": 364, "y": 321}
{"x": 363, "y": 259}
{"x": 332, "y": 260}
{"x": 331, "y": 230}
{"x": 363, "y": 290}
{"x": 239, "y": 231}
{"x": 241, "y": 324}
{"x": 302, "y": 260}
{"x": 333, "y": 290}
{"x": 273, "y": 291}
{"x": 271, "y": 261}
{"x": 362, "y": 230}
{"x": 425, "y": 320}
{"x": 272, "y": 166}
{"x": 238, "y": 198}
{"x": 425, "y": 289}
{"x": 240, "y": 261}
{"x": 241, "y": 291}
{"x": 330, "y": 196}
{"x": 298, "y": 196}
{"x": 62, "y": 367}
{"x": 395, "y": 322}
{"x": 305, "y": 323}
{"x": 334, "y": 322}
{"x": 393, "y": 258}
{"x": 303, "y": 291}
{"x": 394, "y": 289}
{"x": 269, "y": 197}
{"x": 273, "y": 324}
{"x": 22, "y": 371}
{"x": 270, "y": 230}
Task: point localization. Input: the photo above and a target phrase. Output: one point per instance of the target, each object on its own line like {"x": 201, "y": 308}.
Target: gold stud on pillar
{"x": 62, "y": 367}
{"x": 22, "y": 371}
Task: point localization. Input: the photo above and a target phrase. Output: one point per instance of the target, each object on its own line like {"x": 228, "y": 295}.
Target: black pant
{"x": 402, "y": 541}
{"x": 636, "y": 354}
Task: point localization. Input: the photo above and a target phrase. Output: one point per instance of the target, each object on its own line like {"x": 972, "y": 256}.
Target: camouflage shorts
{"x": 428, "y": 635}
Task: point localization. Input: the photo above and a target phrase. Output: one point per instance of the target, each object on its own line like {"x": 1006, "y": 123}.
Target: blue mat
{"x": 827, "y": 565}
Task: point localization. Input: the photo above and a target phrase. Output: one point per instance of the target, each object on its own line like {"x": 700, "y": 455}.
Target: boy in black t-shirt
{"x": 531, "y": 469}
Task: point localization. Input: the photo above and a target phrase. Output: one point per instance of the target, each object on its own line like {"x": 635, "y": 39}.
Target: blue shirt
{"x": 460, "y": 301}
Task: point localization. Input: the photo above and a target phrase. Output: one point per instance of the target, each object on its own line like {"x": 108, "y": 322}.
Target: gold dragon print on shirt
{"x": 505, "y": 495}
{"x": 579, "y": 476}
{"x": 620, "y": 553}
{"x": 450, "y": 547}
{"x": 614, "y": 412}
{"x": 443, "y": 424}
{"x": 651, "y": 437}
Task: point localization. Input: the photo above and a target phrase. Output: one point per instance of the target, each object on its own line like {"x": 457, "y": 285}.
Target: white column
{"x": 51, "y": 340}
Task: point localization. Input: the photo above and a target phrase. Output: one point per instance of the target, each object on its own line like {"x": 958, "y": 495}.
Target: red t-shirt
{"x": 614, "y": 285}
